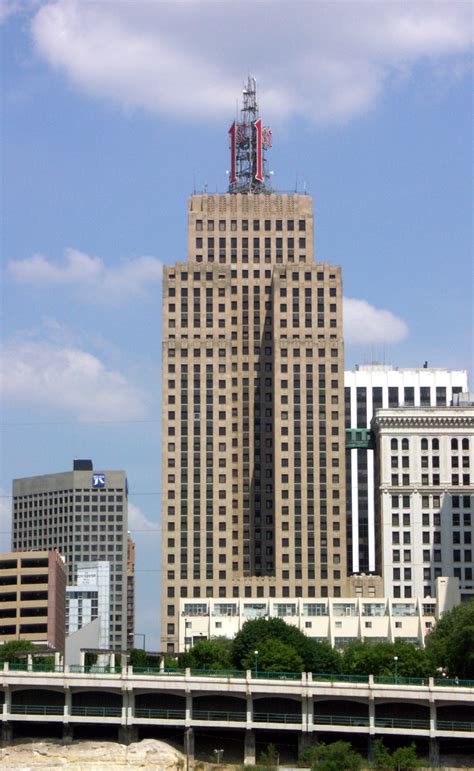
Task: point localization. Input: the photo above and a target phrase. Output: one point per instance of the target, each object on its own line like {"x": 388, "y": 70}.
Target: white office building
{"x": 425, "y": 502}
{"x": 367, "y": 388}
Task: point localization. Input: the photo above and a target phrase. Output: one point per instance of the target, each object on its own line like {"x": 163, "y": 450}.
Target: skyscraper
{"x": 253, "y": 399}
{"x": 83, "y": 514}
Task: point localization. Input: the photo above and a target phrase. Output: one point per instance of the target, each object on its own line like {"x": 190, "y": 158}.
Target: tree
{"x": 367, "y": 658}
{"x": 450, "y": 644}
{"x": 274, "y": 656}
{"x": 320, "y": 657}
{"x": 402, "y": 759}
{"x": 9, "y": 650}
{"x": 405, "y": 758}
{"x": 338, "y": 756}
{"x": 208, "y": 654}
{"x": 316, "y": 656}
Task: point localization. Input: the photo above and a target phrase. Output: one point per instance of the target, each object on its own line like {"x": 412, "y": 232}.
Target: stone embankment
{"x": 151, "y": 754}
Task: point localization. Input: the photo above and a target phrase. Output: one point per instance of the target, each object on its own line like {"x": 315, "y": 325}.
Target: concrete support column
{"x": 304, "y": 741}
{"x": 434, "y": 751}
{"x": 370, "y": 749}
{"x": 57, "y": 660}
{"x": 304, "y": 712}
{"x": 189, "y": 744}
{"x": 7, "y": 705}
{"x": 189, "y": 709}
{"x": 371, "y": 715}
{"x": 127, "y": 734}
{"x": 432, "y": 718}
{"x": 249, "y": 748}
{"x": 131, "y": 706}
{"x": 124, "y": 663}
{"x": 7, "y": 734}
{"x": 68, "y": 734}
{"x": 112, "y": 660}
{"x": 249, "y": 709}
{"x": 82, "y": 659}
{"x": 162, "y": 664}
{"x": 29, "y": 660}
{"x": 67, "y": 704}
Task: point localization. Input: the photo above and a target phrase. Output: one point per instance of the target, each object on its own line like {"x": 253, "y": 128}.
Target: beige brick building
{"x": 253, "y": 408}
{"x": 33, "y": 597}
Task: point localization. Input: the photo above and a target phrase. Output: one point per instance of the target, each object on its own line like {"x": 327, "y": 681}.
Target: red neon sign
{"x": 233, "y": 175}
{"x": 259, "y": 148}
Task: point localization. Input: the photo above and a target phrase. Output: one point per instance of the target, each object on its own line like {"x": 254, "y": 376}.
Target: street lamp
{"x": 218, "y": 754}
{"x": 256, "y": 663}
{"x": 395, "y": 659}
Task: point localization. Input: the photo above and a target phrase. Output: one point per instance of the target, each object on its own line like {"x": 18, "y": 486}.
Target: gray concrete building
{"x": 83, "y": 514}
{"x": 253, "y": 399}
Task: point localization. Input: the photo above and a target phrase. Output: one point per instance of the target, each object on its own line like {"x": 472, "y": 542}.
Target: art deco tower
{"x": 253, "y": 397}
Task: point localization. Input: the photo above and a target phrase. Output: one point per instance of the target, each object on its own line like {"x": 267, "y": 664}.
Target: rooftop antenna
{"x": 249, "y": 140}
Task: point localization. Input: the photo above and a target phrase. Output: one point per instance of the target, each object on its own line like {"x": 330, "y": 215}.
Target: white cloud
{"x": 363, "y": 323}
{"x": 138, "y": 522}
{"x": 67, "y": 380}
{"x": 89, "y": 275}
{"x": 328, "y": 61}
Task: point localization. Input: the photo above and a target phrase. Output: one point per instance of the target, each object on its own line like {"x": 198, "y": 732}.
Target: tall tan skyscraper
{"x": 253, "y": 398}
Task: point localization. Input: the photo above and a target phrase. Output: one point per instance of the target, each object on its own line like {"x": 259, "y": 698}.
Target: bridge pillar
{"x": 68, "y": 734}
{"x": 249, "y": 748}
{"x": 127, "y": 734}
{"x": 189, "y": 707}
{"x": 305, "y": 740}
{"x": 189, "y": 744}
{"x": 7, "y": 734}
{"x": 370, "y": 749}
{"x": 434, "y": 752}
{"x": 57, "y": 660}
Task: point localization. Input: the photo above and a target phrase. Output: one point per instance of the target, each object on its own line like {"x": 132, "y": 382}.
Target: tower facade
{"x": 83, "y": 514}
{"x": 253, "y": 398}
{"x": 367, "y": 388}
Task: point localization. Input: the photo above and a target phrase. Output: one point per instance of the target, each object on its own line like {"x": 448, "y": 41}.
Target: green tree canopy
{"x": 366, "y": 658}
{"x": 209, "y": 654}
{"x": 338, "y": 756}
{"x": 316, "y": 656}
{"x": 9, "y": 650}
{"x": 274, "y": 656}
{"x": 450, "y": 644}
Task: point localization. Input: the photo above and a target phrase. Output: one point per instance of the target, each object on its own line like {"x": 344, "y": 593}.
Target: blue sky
{"x": 113, "y": 112}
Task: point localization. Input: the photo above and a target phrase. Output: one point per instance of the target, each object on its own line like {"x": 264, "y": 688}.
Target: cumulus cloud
{"x": 138, "y": 522}
{"x": 89, "y": 275}
{"x": 67, "y": 380}
{"x": 176, "y": 58}
{"x": 363, "y": 323}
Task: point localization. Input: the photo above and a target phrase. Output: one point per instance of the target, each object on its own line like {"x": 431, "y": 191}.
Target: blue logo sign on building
{"x": 98, "y": 480}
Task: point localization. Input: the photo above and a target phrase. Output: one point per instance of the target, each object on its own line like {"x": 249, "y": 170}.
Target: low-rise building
{"x": 338, "y": 621}
{"x": 33, "y": 597}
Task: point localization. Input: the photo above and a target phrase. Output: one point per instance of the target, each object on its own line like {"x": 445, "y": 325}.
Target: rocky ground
{"x": 151, "y": 754}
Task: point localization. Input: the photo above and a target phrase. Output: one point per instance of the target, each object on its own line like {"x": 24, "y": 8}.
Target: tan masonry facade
{"x": 253, "y": 408}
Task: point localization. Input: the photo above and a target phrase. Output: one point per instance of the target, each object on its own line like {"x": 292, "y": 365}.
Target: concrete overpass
{"x": 134, "y": 701}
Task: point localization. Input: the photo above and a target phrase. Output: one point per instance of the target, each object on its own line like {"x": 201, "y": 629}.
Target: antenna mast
{"x": 248, "y": 141}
